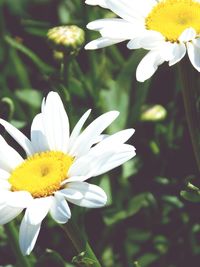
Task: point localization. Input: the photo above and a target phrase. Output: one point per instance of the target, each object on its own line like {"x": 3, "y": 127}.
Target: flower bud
{"x": 66, "y": 39}
{"x": 58, "y": 56}
{"x": 153, "y": 113}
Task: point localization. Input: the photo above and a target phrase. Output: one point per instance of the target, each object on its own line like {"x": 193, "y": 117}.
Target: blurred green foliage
{"x": 147, "y": 222}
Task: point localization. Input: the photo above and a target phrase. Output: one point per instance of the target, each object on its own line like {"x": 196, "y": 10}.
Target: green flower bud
{"x": 153, "y": 113}
{"x": 66, "y": 39}
{"x": 57, "y": 55}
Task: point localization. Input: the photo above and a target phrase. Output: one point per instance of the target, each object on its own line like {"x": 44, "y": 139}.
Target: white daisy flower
{"x": 56, "y": 167}
{"x": 167, "y": 28}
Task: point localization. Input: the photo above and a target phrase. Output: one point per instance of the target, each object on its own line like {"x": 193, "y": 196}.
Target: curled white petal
{"x": 194, "y": 55}
{"x": 60, "y": 210}
{"x": 85, "y": 195}
{"x": 148, "y": 65}
{"x": 187, "y": 35}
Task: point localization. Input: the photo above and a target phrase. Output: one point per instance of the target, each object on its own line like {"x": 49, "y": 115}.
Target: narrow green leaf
{"x": 35, "y": 59}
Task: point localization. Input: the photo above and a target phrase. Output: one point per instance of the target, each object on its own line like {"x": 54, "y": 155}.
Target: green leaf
{"x": 131, "y": 167}
{"x": 113, "y": 99}
{"x": 106, "y": 186}
{"x": 173, "y": 200}
{"x": 44, "y": 68}
{"x": 30, "y": 97}
{"x": 20, "y": 69}
{"x": 190, "y": 196}
{"x": 147, "y": 259}
{"x": 135, "y": 204}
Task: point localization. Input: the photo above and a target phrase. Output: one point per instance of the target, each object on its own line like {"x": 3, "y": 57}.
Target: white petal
{"x": 4, "y": 174}
{"x": 87, "y": 166}
{"x": 118, "y": 28}
{"x": 99, "y": 24}
{"x": 55, "y": 122}
{"x": 78, "y": 178}
{"x": 28, "y": 235}
{"x": 9, "y": 158}
{"x": 148, "y": 40}
{"x": 19, "y": 199}
{"x": 129, "y": 10}
{"x": 87, "y": 138}
{"x": 125, "y": 152}
{"x": 60, "y": 210}
{"x": 96, "y": 2}
{"x": 18, "y": 136}
{"x": 102, "y": 42}
{"x": 179, "y": 51}
{"x": 71, "y": 193}
{"x": 115, "y": 139}
{"x": 194, "y": 55}
{"x": 92, "y": 195}
{"x": 76, "y": 131}
{"x": 148, "y": 65}
{"x": 4, "y": 184}
{"x": 197, "y": 42}
{"x": 38, "y": 209}
{"x": 108, "y": 154}
{"x": 187, "y": 35}
{"x": 7, "y": 213}
{"x": 38, "y": 138}
{"x": 4, "y": 196}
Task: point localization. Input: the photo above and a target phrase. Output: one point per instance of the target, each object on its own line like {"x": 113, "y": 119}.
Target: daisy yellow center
{"x": 172, "y": 17}
{"x": 41, "y": 174}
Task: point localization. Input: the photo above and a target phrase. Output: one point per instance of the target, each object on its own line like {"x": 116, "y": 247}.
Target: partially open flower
{"x": 56, "y": 167}
{"x": 167, "y": 28}
{"x": 67, "y": 39}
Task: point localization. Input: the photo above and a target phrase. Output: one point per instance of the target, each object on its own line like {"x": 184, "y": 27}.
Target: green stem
{"x": 139, "y": 99}
{"x": 13, "y": 240}
{"x": 189, "y": 92}
{"x": 81, "y": 77}
{"x": 81, "y": 245}
{"x": 66, "y": 68}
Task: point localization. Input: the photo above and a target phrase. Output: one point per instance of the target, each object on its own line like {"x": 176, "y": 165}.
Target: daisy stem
{"x": 12, "y": 234}
{"x": 66, "y": 69}
{"x": 87, "y": 256}
{"x": 190, "y": 99}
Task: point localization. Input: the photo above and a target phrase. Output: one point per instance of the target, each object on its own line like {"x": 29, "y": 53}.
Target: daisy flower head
{"x": 56, "y": 167}
{"x": 167, "y": 28}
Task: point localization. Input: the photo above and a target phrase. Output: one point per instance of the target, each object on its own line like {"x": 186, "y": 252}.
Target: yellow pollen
{"x": 172, "y": 17}
{"x": 41, "y": 174}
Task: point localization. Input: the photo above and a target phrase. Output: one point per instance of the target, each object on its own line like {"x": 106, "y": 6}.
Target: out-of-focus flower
{"x": 167, "y": 28}
{"x": 153, "y": 113}
{"x": 56, "y": 167}
{"x": 67, "y": 39}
